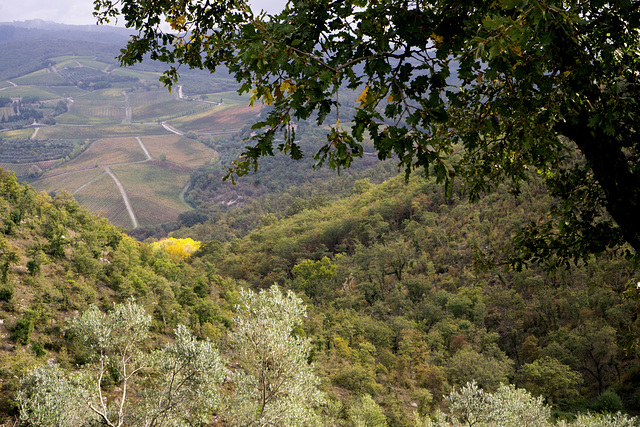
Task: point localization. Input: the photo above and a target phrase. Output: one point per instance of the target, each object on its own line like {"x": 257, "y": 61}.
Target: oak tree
{"x": 488, "y": 92}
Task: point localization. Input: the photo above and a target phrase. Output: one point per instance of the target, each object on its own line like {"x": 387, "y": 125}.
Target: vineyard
{"x": 220, "y": 119}
{"x": 89, "y": 101}
{"x": 168, "y": 110}
{"x": 98, "y": 131}
{"x": 103, "y": 197}
{"x": 41, "y": 78}
{"x": 178, "y": 149}
{"x": 108, "y": 151}
{"x": 153, "y": 192}
{"x": 70, "y": 182}
{"x": 30, "y": 91}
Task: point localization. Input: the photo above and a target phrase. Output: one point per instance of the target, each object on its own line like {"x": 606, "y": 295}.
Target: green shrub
{"x": 609, "y": 402}
{"x": 6, "y": 293}
{"x": 22, "y": 330}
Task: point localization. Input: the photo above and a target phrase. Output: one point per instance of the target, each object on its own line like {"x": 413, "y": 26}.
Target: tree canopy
{"x": 488, "y": 92}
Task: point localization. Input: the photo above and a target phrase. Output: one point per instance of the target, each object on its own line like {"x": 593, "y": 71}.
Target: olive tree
{"x": 274, "y": 383}
{"x": 177, "y": 385}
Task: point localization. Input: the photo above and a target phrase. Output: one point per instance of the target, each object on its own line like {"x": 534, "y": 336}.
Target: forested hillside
{"x": 400, "y": 310}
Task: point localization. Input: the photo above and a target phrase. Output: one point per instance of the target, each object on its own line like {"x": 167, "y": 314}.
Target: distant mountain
{"x": 43, "y": 30}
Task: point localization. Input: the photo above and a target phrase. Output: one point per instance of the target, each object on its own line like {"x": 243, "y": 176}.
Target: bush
{"x": 22, "y": 330}
{"x": 609, "y": 402}
{"x": 6, "y": 293}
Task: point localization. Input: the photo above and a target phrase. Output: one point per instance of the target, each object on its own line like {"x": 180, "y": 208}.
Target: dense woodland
{"x": 404, "y": 301}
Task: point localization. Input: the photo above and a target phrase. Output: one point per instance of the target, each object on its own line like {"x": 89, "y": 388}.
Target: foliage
{"x": 176, "y": 385}
{"x": 486, "y": 92}
{"x": 275, "y": 384}
{"x": 506, "y": 407}
{"x": 179, "y": 248}
{"x": 50, "y": 398}
{"x": 550, "y": 378}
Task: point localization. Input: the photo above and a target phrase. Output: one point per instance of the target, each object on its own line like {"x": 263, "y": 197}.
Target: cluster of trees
{"x": 28, "y": 151}
{"x": 397, "y": 316}
{"x": 186, "y": 382}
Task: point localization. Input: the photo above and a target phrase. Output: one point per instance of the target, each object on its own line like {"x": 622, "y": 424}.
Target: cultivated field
{"x": 178, "y": 149}
{"x": 41, "y": 77}
{"x": 220, "y": 118}
{"x": 154, "y": 191}
{"x": 142, "y": 75}
{"x": 17, "y": 134}
{"x": 103, "y": 197}
{"x": 71, "y": 182}
{"x": 32, "y": 91}
{"x": 104, "y": 117}
{"x": 99, "y": 131}
{"x": 104, "y": 152}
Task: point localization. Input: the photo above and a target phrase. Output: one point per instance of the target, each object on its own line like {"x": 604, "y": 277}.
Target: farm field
{"x": 90, "y": 62}
{"x": 41, "y": 77}
{"x": 103, "y": 118}
{"x": 170, "y": 109}
{"x": 67, "y": 91}
{"x": 104, "y": 152}
{"x": 142, "y": 75}
{"x": 99, "y": 131}
{"x": 219, "y": 119}
{"x": 32, "y": 91}
{"x": 70, "y": 182}
{"x": 103, "y": 197}
{"x": 94, "y": 116}
{"x": 178, "y": 149}
{"x": 20, "y": 169}
{"x": 154, "y": 192}
{"x": 17, "y": 134}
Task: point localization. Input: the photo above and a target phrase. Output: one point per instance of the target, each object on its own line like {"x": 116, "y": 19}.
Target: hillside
{"x": 398, "y": 307}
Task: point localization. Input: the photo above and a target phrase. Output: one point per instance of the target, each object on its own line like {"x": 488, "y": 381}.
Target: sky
{"x": 79, "y": 12}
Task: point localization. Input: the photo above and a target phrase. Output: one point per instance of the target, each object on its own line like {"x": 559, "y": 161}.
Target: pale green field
{"x": 102, "y": 197}
{"x": 67, "y": 63}
{"x": 153, "y": 191}
{"x": 41, "y": 77}
{"x": 90, "y": 62}
{"x": 17, "y": 134}
{"x": 104, "y": 152}
{"x": 181, "y": 150}
{"x": 168, "y": 110}
{"x": 40, "y": 92}
{"x": 4, "y": 84}
{"x": 93, "y": 116}
{"x": 143, "y": 75}
{"x": 139, "y": 98}
{"x": 94, "y": 132}
{"x": 70, "y": 182}
{"x": 66, "y": 91}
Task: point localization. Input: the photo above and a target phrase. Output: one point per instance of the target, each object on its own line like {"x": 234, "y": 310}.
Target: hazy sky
{"x": 79, "y": 12}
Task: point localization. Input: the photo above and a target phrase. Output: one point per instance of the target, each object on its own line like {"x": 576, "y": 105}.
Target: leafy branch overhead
{"x": 488, "y": 92}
